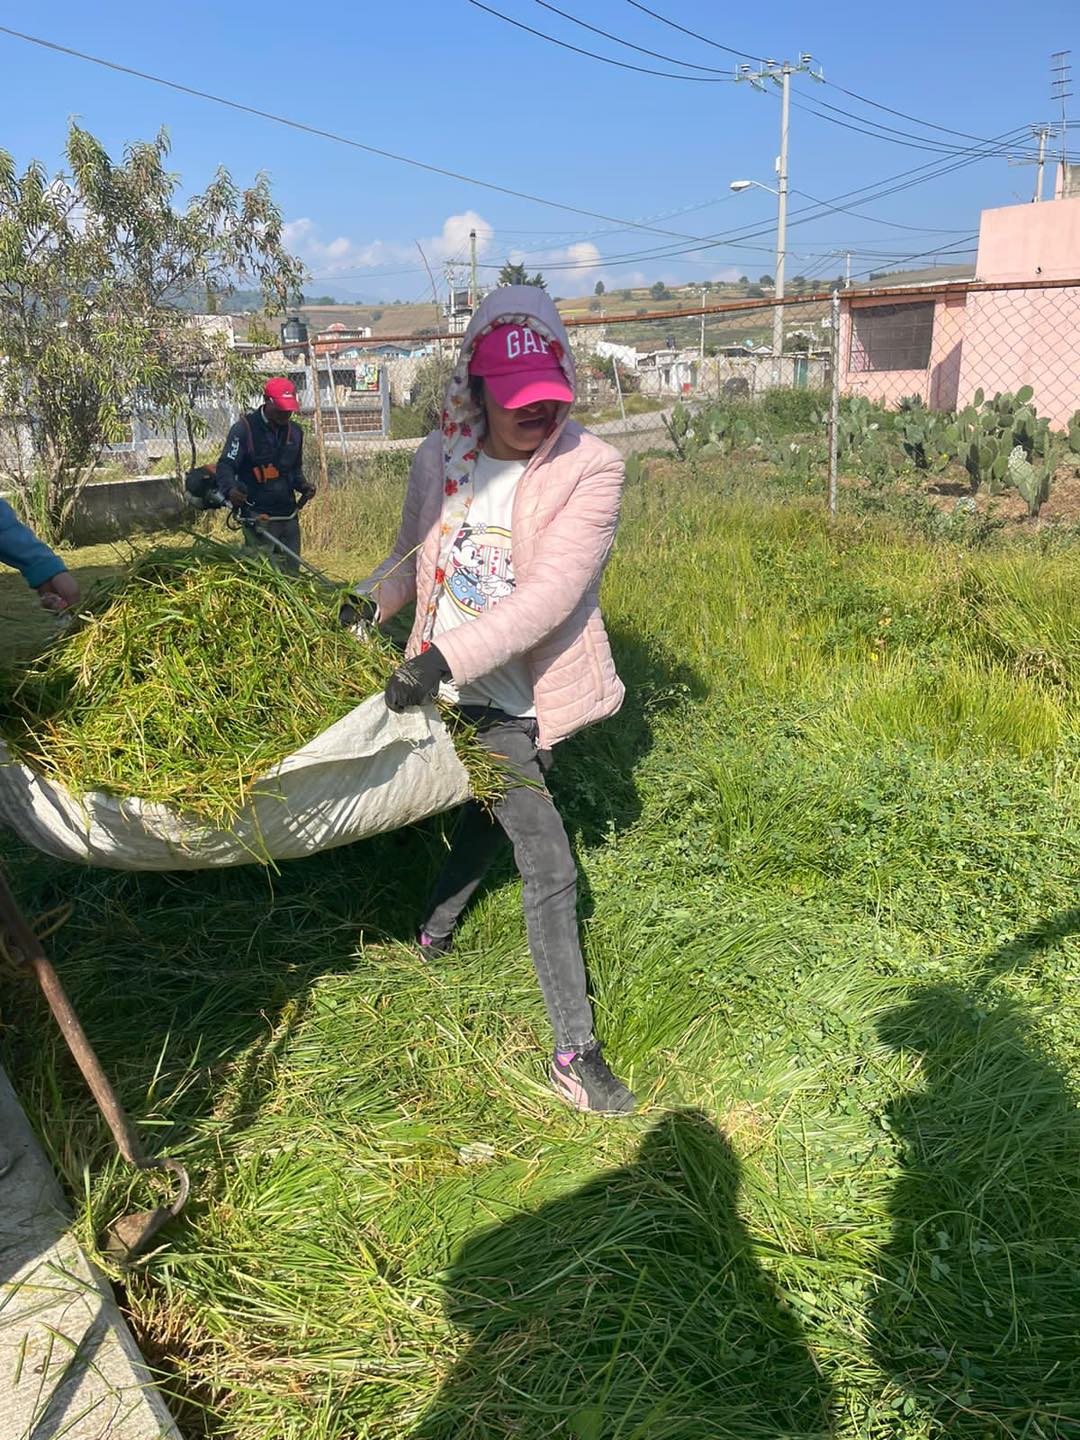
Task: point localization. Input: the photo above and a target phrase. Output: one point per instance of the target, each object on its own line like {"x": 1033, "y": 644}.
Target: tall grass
{"x": 829, "y": 852}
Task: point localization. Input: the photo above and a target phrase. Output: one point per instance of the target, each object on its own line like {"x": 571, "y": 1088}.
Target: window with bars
{"x": 891, "y": 337}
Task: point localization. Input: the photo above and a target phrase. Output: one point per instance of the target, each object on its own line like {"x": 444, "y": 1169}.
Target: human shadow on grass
{"x": 176, "y": 975}
{"x": 979, "y": 1284}
{"x": 633, "y": 1308}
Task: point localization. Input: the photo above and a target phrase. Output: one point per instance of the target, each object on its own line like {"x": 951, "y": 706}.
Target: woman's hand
{"x": 417, "y": 680}
{"x": 59, "y": 593}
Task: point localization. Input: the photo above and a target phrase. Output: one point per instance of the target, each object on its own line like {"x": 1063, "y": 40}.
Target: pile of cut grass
{"x": 190, "y": 675}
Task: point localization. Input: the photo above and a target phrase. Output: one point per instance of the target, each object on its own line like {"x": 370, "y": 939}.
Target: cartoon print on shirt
{"x": 480, "y": 571}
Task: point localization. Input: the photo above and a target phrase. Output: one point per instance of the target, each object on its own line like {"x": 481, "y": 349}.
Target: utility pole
{"x": 834, "y": 401}
{"x": 474, "y": 297}
{"x": 847, "y": 269}
{"x": 703, "y": 326}
{"x": 1042, "y": 133}
{"x": 780, "y": 74}
{"x": 781, "y": 219}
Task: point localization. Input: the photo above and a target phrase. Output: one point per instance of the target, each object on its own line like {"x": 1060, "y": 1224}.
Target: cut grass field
{"x": 829, "y": 854}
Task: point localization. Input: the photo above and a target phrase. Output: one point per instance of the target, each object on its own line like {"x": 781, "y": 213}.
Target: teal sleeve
{"x": 21, "y": 549}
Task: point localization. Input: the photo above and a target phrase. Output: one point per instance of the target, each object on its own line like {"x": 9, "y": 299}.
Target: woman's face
{"x": 516, "y": 434}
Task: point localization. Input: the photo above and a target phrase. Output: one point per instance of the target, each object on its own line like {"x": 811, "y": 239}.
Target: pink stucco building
{"x": 1017, "y": 323}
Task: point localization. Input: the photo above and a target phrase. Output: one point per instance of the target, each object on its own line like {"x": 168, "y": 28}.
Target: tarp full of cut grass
{"x": 208, "y": 711}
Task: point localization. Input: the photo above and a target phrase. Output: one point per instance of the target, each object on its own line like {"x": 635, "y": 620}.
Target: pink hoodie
{"x": 565, "y": 512}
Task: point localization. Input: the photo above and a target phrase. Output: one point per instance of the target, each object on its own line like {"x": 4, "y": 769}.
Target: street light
{"x": 778, "y": 293}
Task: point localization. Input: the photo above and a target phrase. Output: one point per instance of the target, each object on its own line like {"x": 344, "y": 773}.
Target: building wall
{"x": 935, "y": 384}
{"x": 753, "y": 375}
{"x": 1030, "y": 242}
{"x": 1024, "y": 337}
{"x": 1027, "y": 337}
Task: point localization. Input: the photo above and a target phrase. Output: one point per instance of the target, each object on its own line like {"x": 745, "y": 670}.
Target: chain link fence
{"x": 971, "y": 389}
{"x": 968, "y": 389}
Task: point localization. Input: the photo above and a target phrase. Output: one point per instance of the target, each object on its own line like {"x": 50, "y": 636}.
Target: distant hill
{"x": 943, "y": 274}
{"x": 383, "y": 319}
{"x": 624, "y": 303}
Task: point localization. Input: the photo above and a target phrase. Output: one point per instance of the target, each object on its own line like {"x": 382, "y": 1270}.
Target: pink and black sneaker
{"x": 432, "y": 946}
{"x": 583, "y": 1080}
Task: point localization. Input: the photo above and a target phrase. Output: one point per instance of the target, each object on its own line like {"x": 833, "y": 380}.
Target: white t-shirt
{"x": 480, "y": 573}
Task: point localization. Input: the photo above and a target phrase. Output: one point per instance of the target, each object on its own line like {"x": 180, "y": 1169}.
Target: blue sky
{"x": 445, "y": 82}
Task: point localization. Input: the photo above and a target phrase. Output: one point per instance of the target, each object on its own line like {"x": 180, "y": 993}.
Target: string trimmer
{"x": 201, "y": 491}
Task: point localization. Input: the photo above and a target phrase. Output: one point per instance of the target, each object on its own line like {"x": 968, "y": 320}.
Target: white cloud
{"x": 565, "y": 268}
{"x": 454, "y": 238}
{"x": 343, "y": 255}
{"x": 569, "y": 269}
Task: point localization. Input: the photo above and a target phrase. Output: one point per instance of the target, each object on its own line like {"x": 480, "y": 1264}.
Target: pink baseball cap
{"x": 520, "y": 367}
{"x": 282, "y": 393}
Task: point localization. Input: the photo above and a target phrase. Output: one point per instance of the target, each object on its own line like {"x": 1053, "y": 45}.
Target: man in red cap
{"x": 261, "y": 472}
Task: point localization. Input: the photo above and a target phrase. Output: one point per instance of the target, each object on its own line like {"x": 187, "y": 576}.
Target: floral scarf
{"x": 462, "y": 432}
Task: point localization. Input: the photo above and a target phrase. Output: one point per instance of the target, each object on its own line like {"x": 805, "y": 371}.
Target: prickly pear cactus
{"x": 1032, "y": 481}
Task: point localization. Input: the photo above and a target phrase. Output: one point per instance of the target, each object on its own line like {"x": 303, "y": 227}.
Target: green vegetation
{"x": 518, "y": 275}
{"x": 191, "y": 674}
{"x": 1001, "y": 443}
{"x": 829, "y": 850}
{"x": 96, "y": 265}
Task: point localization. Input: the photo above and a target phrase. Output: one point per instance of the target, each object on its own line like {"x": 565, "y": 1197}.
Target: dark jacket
{"x": 266, "y": 462}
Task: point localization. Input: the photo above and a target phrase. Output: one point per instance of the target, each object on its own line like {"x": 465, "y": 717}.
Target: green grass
{"x": 633, "y": 404}
{"x": 829, "y": 853}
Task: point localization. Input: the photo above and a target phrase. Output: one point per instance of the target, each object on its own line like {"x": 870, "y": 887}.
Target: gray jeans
{"x": 526, "y": 816}
{"x": 287, "y": 530}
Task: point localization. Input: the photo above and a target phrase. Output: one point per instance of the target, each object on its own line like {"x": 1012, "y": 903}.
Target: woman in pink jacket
{"x": 508, "y": 523}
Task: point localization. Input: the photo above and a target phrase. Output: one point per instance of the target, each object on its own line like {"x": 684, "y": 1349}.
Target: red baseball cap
{"x": 282, "y": 393}
{"x": 520, "y": 367}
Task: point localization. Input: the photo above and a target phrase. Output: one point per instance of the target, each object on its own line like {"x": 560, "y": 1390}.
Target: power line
{"x": 881, "y": 132}
{"x": 878, "y": 220}
{"x": 888, "y": 131}
{"x": 332, "y": 135}
{"x": 716, "y": 44}
{"x": 835, "y": 248}
{"x": 615, "y": 221}
{"x": 903, "y": 115}
{"x": 807, "y": 213}
{"x": 641, "y": 49}
{"x": 604, "y": 59}
{"x": 830, "y": 206}
{"x": 920, "y": 255}
{"x": 863, "y": 99}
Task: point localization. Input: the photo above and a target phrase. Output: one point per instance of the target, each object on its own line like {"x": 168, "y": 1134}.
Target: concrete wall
{"x": 992, "y": 340}
{"x": 761, "y": 374}
{"x": 938, "y": 384}
{"x": 117, "y": 508}
{"x": 1024, "y": 337}
{"x": 1030, "y": 242}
